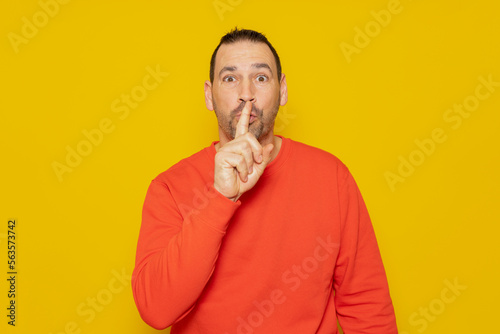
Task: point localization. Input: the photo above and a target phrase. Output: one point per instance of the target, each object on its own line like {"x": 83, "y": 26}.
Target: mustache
{"x": 257, "y": 111}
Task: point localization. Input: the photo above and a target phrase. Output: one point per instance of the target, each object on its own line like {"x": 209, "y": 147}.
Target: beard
{"x": 262, "y": 124}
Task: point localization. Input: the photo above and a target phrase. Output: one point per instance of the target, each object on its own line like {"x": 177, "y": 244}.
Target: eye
{"x": 229, "y": 78}
{"x": 262, "y": 78}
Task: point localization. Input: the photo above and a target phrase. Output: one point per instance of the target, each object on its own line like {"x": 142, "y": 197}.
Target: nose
{"x": 247, "y": 91}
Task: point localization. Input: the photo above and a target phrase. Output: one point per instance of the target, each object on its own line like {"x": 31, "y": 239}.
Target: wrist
{"x": 233, "y": 199}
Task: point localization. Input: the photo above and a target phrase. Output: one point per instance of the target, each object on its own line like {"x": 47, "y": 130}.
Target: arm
{"x": 177, "y": 252}
{"x": 361, "y": 290}
{"x": 176, "y": 255}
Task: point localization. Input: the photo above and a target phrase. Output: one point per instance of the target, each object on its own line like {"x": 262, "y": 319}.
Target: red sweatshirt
{"x": 290, "y": 256}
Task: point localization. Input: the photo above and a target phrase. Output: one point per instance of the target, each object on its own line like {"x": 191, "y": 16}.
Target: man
{"x": 257, "y": 233}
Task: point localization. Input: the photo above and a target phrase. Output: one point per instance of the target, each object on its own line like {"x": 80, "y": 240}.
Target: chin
{"x": 257, "y": 132}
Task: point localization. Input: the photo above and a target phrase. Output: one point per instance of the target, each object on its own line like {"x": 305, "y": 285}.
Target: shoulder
{"x": 192, "y": 167}
{"x": 317, "y": 157}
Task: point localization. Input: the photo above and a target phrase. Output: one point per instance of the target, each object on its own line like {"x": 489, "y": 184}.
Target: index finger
{"x": 244, "y": 121}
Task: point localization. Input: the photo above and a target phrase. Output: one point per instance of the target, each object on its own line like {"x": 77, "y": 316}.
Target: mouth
{"x": 253, "y": 117}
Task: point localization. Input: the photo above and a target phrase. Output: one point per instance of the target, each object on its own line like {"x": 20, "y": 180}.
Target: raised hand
{"x": 240, "y": 162}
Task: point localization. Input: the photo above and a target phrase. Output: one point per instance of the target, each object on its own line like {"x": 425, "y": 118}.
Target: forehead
{"x": 244, "y": 53}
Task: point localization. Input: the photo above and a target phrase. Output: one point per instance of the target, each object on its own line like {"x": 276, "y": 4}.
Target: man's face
{"x": 245, "y": 71}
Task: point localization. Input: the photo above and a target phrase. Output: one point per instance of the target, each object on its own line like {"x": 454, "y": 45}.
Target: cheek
{"x": 269, "y": 92}
{"x": 223, "y": 98}
{"x": 268, "y": 101}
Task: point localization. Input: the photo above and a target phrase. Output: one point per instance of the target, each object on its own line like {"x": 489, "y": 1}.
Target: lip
{"x": 253, "y": 117}
{"x": 251, "y": 114}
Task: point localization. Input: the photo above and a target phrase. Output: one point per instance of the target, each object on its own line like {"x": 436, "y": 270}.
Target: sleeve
{"x": 362, "y": 296}
{"x": 176, "y": 252}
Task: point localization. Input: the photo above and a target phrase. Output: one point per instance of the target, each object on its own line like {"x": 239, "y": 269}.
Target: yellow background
{"x": 74, "y": 235}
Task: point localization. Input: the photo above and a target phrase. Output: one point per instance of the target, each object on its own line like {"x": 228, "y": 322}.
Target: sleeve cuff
{"x": 218, "y": 209}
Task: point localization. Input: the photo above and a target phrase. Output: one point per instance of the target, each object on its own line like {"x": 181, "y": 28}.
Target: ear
{"x": 208, "y": 95}
{"x": 283, "y": 90}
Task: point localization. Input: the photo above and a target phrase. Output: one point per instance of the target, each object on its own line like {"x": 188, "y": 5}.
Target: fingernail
{"x": 250, "y": 170}
{"x": 260, "y": 158}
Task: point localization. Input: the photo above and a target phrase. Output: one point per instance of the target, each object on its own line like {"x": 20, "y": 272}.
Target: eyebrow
{"x": 255, "y": 65}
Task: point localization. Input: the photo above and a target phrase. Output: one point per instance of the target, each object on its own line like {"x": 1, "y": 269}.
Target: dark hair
{"x": 243, "y": 35}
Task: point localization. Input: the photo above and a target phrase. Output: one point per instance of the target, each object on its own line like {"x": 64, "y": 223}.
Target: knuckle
{"x": 249, "y": 135}
{"x": 243, "y": 146}
{"x": 219, "y": 156}
{"x": 240, "y": 160}
{"x": 247, "y": 150}
{"x": 242, "y": 167}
